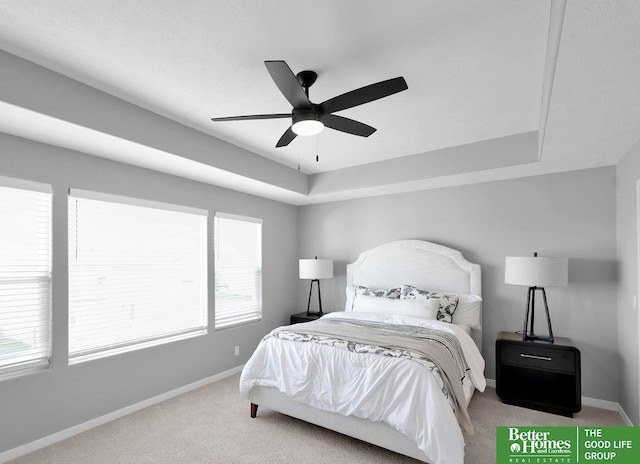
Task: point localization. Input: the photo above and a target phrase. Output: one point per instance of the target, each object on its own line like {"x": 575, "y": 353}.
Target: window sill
{"x": 22, "y": 370}
{"x": 234, "y": 325}
{"x": 80, "y": 358}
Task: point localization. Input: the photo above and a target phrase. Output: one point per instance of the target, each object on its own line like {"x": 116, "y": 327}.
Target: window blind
{"x": 137, "y": 274}
{"x": 25, "y": 275}
{"x": 238, "y": 269}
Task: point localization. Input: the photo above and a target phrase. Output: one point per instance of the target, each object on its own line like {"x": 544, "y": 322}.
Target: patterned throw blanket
{"x": 438, "y": 350}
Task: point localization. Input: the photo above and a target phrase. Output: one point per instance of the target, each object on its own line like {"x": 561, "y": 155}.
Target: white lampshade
{"x": 316, "y": 268}
{"x": 536, "y": 271}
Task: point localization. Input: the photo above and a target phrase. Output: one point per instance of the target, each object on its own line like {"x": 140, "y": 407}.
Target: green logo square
{"x": 567, "y": 445}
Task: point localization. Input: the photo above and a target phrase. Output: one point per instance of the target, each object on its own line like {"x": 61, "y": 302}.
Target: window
{"x": 137, "y": 274}
{"x": 25, "y": 275}
{"x": 238, "y": 269}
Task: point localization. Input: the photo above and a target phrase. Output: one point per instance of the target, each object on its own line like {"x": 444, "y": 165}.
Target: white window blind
{"x": 25, "y": 275}
{"x": 137, "y": 274}
{"x": 238, "y": 269}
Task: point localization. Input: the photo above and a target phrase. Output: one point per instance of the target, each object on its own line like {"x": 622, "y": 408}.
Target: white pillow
{"x": 469, "y": 311}
{"x": 351, "y": 293}
{"x": 466, "y": 328}
{"x": 425, "y": 309}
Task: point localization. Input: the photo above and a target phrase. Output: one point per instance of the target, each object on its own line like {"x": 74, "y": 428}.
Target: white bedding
{"x": 410, "y": 398}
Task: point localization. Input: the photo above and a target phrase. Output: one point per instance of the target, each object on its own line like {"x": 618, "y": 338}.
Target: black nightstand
{"x": 302, "y": 317}
{"x": 538, "y": 375}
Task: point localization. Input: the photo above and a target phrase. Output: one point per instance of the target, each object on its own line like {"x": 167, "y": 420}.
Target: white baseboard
{"x": 602, "y": 404}
{"x": 624, "y": 417}
{"x": 70, "y": 432}
{"x": 593, "y": 402}
{"x": 609, "y": 406}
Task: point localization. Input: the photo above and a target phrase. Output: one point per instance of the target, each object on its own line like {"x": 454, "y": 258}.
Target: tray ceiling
{"x": 559, "y": 77}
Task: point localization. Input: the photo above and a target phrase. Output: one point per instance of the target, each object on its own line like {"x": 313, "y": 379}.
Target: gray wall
{"x": 569, "y": 214}
{"x": 42, "y": 403}
{"x": 628, "y": 174}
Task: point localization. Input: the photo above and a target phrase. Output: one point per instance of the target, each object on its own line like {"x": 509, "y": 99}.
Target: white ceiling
{"x": 477, "y": 70}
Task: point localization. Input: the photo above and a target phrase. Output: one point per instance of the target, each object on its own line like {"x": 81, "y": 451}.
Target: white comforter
{"x": 409, "y": 399}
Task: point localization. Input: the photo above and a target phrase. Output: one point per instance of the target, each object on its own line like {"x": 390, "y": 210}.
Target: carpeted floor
{"x": 212, "y": 425}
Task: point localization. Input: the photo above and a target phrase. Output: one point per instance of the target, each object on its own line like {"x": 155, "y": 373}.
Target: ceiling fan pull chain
{"x": 317, "y": 157}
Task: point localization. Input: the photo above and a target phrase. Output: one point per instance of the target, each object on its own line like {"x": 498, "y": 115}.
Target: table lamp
{"x": 316, "y": 269}
{"x": 536, "y": 273}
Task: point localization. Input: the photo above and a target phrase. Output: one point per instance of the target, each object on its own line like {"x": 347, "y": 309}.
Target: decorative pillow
{"x": 391, "y": 293}
{"x": 425, "y": 309}
{"x": 353, "y": 291}
{"x": 469, "y": 311}
{"x": 446, "y": 303}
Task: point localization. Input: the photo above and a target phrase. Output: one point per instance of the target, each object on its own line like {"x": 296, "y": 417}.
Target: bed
{"x": 287, "y": 375}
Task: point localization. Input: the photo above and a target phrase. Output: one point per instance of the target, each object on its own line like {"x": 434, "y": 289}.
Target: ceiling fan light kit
{"x": 308, "y": 118}
{"x": 306, "y": 122}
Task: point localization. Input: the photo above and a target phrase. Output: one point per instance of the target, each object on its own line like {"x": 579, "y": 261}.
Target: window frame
{"x": 159, "y": 338}
{"x": 41, "y": 358}
{"x": 249, "y": 317}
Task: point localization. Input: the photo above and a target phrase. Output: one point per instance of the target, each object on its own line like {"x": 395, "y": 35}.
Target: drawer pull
{"x": 531, "y": 356}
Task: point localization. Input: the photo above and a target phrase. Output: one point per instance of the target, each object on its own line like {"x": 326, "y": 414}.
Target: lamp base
{"x": 319, "y": 313}
{"x": 528, "y": 331}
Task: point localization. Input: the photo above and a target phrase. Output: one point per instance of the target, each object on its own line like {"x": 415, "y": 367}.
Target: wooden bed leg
{"x": 254, "y": 410}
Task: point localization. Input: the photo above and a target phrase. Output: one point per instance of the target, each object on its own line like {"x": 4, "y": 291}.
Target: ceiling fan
{"x": 308, "y": 118}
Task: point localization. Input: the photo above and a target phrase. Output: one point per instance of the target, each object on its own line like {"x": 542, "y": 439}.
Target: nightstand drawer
{"x": 539, "y": 357}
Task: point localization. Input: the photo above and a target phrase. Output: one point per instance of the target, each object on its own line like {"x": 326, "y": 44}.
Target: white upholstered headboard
{"x": 419, "y": 263}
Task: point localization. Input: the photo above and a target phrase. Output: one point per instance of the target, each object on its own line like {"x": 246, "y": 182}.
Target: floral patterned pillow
{"x": 447, "y": 304}
{"x": 393, "y": 293}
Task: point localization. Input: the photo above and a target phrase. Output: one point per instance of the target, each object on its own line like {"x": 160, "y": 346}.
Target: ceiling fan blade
{"x": 364, "y": 95}
{"x": 286, "y": 138}
{"x": 288, "y": 83}
{"x": 347, "y": 125}
{"x": 253, "y": 116}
